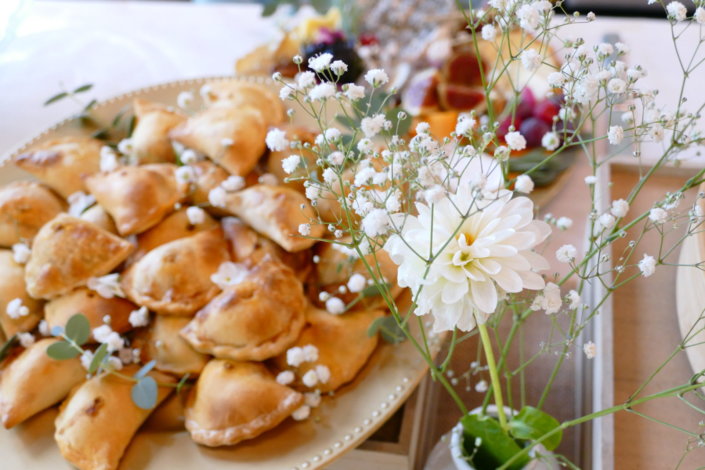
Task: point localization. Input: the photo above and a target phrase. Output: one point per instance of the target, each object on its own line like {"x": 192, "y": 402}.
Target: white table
{"x": 123, "y": 45}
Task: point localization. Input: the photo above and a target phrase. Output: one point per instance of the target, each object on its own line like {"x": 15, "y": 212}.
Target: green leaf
{"x": 321, "y": 6}
{"x": 270, "y": 7}
{"x": 117, "y": 118}
{"x": 5, "y": 350}
{"x": 62, "y": 350}
{"x": 145, "y": 369}
{"x": 78, "y": 329}
{"x": 401, "y": 126}
{"x": 131, "y": 125}
{"x": 82, "y": 88}
{"x": 496, "y": 446}
{"x": 101, "y": 134}
{"x": 348, "y": 122}
{"x": 144, "y": 393}
{"x": 56, "y": 98}
{"x": 98, "y": 357}
{"x": 90, "y": 105}
{"x": 532, "y": 423}
{"x": 547, "y": 172}
{"x": 182, "y": 382}
{"x": 388, "y": 328}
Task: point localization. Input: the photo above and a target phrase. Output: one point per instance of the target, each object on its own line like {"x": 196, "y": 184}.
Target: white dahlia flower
{"x": 473, "y": 266}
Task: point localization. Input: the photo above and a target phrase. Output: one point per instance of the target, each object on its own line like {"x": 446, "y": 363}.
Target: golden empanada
{"x": 241, "y": 94}
{"x": 248, "y": 247}
{"x": 63, "y": 163}
{"x": 231, "y": 136}
{"x": 234, "y": 401}
{"x": 162, "y": 342}
{"x": 253, "y": 320}
{"x": 68, "y": 251}
{"x": 137, "y": 197}
{"x": 173, "y": 227}
{"x": 94, "y": 307}
{"x": 342, "y": 342}
{"x": 24, "y": 207}
{"x": 174, "y": 278}
{"x": 98, "y": 216}
{"x": 12, "y": 286}
{"x": 150, "y": 139}
{"x": 34, "y": 382}
{"x": 98, "y": 420}
{"x": 276, "y": 212}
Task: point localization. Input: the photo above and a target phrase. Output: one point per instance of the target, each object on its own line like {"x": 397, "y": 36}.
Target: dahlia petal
{"x": 484, "y": 295}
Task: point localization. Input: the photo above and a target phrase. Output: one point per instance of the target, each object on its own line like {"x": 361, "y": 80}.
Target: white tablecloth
{"x": 123, "y": 45}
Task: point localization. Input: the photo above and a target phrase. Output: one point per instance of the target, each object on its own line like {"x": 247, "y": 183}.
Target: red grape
{"x": 533, "y": 130}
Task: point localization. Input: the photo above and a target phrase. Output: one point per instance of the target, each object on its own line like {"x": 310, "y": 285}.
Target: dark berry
{"x": 503, "y": 128}
{"x": 527, "y": 103}
{"x": 340, "y": 49}
{"x": 545, "y": 110}
{"x": 533, "y": 130}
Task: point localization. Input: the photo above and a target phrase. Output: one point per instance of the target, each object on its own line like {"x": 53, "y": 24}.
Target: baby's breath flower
{"x": 185, "y": 99}
{"x": 605, "y": 222}
{"x": 564, "y": 223}
{"x": 677, "y": 11}
{"x": 104, "y": 334}
{"x": 550, "y": 141}
{"x": 286, "y": 92}
{"x": 322, "y": 91}
{"x": 332, "y": 134}
{"x": 556, "y": 79}
{"x": 336, "y": 158}
{"x": 700, "y": 15}
{"x": 574, "y": 298}
{"x": 15, "y": 309}
{"x": 306, "y": 79}
{"x": 335, "y": 306}
{"x": 481, "y": 386}
{"x": 371, "y": 126}
{"x": 295, "y": 356}
{"x": 322, "y": 373}
{"x": 615, "y": 135}
{"x": 108, "y": 159}
{"x": 515, "y": 140}
{"x": 524, "y": 184}
{"x": 301, "y": 413}
{"x": 530, "y": 59}
{"x": 285, "y": 377}
{"x": 310, "y": 379}
{"x": 185, "y": 174}
{"x": 590, "y": 350}
{"x": 79, "y": 202}
{"x": 229, "y": 274}
{"x": 339, "y": 67}
{"x": 320, "y": 62}
{"x": 188, "y": 157}
{"x": 44, "y": 329}
{"x": 658, "y": 215}
{"x": 528, "y": 17}
{"x": 195, "y": 215}
{"x": 126, "y": 146}
{"x": 616, "y": 86}
{"x": 501, "y": 153}
{"x": 590, "y": 16}
{"x": 107, "y": 286}
{"x": 354, "y": 92}
{"x": 305, "y": 229}
{"x": 566, "y": 253}
{"x": 233, "y": 183}
{"x": 356, "y": 283}
{"x": 276, "y": 140}
{"x": 139, "y": 317}
{"x": 290, "y": 163}
{"x": 620, "y": 208}
{"x": 26, "y": 339}
{"x": 21, "y": 253}
{"x": 590, "y": 180}
{"x": 647, "y": 265}
{"x": 465, "y": 125}
{"x": 376, "y": 77}
{"x": 489, "y": 32}
{"x": 217, "y": 197}
{"x": 423, "y": 128}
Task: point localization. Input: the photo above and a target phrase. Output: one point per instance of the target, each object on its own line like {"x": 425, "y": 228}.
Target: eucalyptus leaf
{"x": 82, "y": 88}
{"x": 532, "y": 423}
{"x": 388, "y": 328}
{"x": 145, "y": 369}
{"x": 496, "y": 446}
{"x": 270, "y": 7}
{"x": 78, "y": 329}
{"x": 144, "y": 393}
{"x": 373, "y": 290}
{"x": 5, "y": 350}
{"x": 62, "y": 350}
{"x": 55, "y": 98}
{"x": 90, "y": 105}
{"x": 98, "y": 357}
{"x": 321, "y": 6}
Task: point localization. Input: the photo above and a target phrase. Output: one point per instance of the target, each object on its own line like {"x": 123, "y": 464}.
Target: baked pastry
{"x": 68, "y": 251}
{"x": 95, "y": 308}
{"x": 230, "y": 135}
{"x": 137, "y": 197}
{"x": 242, "y": 94}
{"x": 12, "y": 286}
{"x": 176, "y": 225}
{"x": 150, "y": 138}
{"x": 62, "y": 163}
{"x": 98, "y": 420}
{"x": 342, "y": 342}
{"x": 98, "y": 216}
{"x": 253, "y": 320}
{"x": 34, "y": 382}
{"x": 234, "y": 401}
{"x": 162, "y": 342}
{"x": 24, "y": 207}
{"x": 276, "y": 212}
{"x": 174, "y": 278}
{"x": 248, "y": 247}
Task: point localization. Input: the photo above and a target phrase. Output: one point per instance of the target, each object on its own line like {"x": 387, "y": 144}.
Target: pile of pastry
{"x": 181, "y": 247}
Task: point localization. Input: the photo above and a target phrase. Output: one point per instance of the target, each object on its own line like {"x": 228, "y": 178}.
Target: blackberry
{"x": 341, "y": 49}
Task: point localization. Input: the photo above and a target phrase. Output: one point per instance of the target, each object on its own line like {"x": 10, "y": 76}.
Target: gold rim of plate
{"x": 341, "y": 423}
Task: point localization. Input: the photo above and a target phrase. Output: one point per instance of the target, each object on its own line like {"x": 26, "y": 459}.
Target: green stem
{"x": 494, "y": 376}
